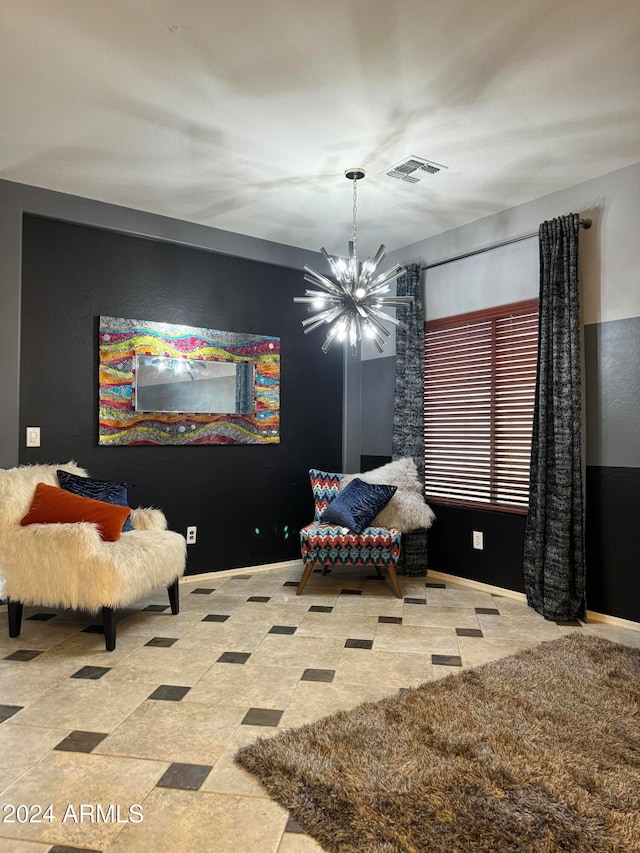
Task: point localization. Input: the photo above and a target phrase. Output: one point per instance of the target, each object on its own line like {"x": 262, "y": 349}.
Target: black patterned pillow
{"x": 100, "y": 490}
{"x": 357, "y": 505}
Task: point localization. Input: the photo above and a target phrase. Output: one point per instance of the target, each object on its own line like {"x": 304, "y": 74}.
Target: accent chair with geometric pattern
{"x": 327, "y": 545}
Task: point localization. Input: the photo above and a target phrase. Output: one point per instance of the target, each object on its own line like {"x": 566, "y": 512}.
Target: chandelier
{"x": 352, "y": 303}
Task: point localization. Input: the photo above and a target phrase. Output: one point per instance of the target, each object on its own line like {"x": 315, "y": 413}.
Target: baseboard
{"x": 592, "y": 616}
{"x": 254, "y": 570}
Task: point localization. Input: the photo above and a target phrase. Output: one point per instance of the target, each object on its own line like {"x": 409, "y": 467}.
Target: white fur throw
{"x": 70, "y": 565}
{"x": 407, "y": 510}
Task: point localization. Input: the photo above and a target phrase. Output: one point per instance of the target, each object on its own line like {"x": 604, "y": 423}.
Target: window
{"x": 480, "y": 376}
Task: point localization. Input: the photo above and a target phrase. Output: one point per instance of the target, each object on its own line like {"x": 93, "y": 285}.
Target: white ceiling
{"x": 244, "y": 115}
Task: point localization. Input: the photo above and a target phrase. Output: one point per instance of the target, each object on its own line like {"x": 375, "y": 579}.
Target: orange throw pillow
{"x": 51, "y": 505}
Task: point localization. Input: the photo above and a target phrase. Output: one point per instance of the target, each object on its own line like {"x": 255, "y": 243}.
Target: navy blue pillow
{"x": 357, "y": 505}
{"x": 100, "y": 490}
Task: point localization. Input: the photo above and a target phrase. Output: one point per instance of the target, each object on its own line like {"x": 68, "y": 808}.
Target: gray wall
{"x": 17, "y": 199}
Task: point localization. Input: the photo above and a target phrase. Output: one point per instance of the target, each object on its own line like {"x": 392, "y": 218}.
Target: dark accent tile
{"x": 350, "y": 592}
{"x": 23, "y": 654}
{"x": 189, "y": 777}
{"x": 319, "y": 571}
{"x": 435, "y": 585}
{"x": 99, "y": 629}
{"x": 320, "y": 608}
{"x": 241, "y": 577}
{"x": 234, "y": 657}
{"x": 291, "y": 583}
{"x": 91, "y": 672}
{"x": 390, "y": 620}
{"x": 169, "y": 692}
{"x": 62, "y": 848}
{"x": 81, "y": 741}
{"x": 261, "y": 717}
{"x": 569, "y": 622}
{"x": 260, "y": 598}
{"x": 358, "y": 644}
{"x": 202, "y": 591}
{"x": 162, "y": 642}
{"x": 469, "y": 632}
{"x": 282, "y": 629}
{"x": 487, "y": 611}
{"x": 446, "y": 660}
{"x": 375, "y": 578}
{"x": 7, "y": 711}
{"x": 215, "y": 617}
{"x": 156, "y": 608}
{"x": 293, "y": 825}
{"x": 403, "y": 690}
{"x": 41, "y": 617}
{"x": 318, "y": 675}
{"x": 415, "y": 601}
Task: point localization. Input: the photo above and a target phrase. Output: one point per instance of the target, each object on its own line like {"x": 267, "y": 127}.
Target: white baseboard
{"x": 592, "y": 616}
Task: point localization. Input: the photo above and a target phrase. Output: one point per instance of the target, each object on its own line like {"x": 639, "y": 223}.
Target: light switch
{"x": 33, "y": 436}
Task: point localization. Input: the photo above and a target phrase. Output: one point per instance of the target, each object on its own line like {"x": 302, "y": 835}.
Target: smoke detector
{"x": 413, "y": 169}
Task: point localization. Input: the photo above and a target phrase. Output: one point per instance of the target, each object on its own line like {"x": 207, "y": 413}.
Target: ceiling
{"x": 244, "y": 115}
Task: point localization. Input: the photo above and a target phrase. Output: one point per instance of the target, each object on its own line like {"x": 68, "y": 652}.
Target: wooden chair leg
{"x": 305, "y": 577}
{"x": 394, "y": 580}
{"x": 15, "y": 617}
{"x": 109, "y": 624}
{"x": 174, "y": 596}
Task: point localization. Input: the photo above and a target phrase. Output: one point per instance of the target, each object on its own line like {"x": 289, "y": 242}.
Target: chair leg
{"x": 394, "y": 580}
{"x": 305, "y": 577}
{"x": 379, "y": 571}
{"x": 15, "y": 617}
{"x": 109, "y": 624}
{"x": 174, "y": 596}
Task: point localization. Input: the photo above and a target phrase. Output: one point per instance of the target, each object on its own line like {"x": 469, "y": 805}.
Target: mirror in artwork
{"x": 191, "y": 385}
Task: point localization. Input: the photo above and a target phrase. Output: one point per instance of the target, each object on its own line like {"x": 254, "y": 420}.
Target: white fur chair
{"x": 71, "y": 566}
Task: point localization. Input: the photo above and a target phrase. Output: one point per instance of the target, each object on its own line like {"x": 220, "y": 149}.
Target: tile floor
{"x": 148, "y": 732}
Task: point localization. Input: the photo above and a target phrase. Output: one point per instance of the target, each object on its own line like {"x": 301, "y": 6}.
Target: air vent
{"x": 413, "y": 169}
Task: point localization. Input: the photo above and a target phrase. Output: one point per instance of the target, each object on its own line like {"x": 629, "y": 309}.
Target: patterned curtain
{"x": 554, "y": 564}
{"x": 408, "y": 415}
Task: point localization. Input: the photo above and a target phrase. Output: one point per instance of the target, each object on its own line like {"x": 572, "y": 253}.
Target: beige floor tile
{"x": 71, "y": 778}
{"x": 94, "y": 706}
{"x": 626, "y": 636}
{"x": 309, "y": 597}
{"x": 152, "y": 624}
{"x": 312, "y": 700}
{"x": 15, "y": 846}
{"x": 153, "y": 665}
{"x": 227, "y": 777}
{"x": 338, "y": 625}
{"x": 224, "y": 603}
{"x": 23, "y": 682}
{"x": 223, "y": 635}
{"x": 294, "y": 842}
{"x": 517, "y": 627}
{"x": 459, "y": 597}
{"x": 21, "y": 747}
{"x": 188, "y": 733}
{"x": 389, "y": 670}
{"x": 202, "y": 821}
{"x": 267, "y": 614}
{"x": 282, "y": 650}
{"x": 440, "y": 617}
{"x": 378, "y": 605}
{"x": 408, "y": 638}
{"x": 246, "y": 686}
{"x": 89, "y": 649}
{"x": 35, "y": 635}
{"x": 476, "y": 651}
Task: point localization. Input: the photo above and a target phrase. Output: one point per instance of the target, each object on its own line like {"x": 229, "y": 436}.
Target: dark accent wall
{"x": 248, "y": 501}
{"x": 450, "y": 545}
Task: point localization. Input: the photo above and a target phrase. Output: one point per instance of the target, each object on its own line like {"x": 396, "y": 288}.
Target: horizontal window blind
{"x": 480, "y": 374}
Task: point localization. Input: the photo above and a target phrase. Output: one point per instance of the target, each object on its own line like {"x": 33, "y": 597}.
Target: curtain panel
{"x": 554, "y": 561}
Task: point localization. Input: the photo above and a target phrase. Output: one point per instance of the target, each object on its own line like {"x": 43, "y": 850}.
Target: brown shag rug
{"x": 534, "y": 753}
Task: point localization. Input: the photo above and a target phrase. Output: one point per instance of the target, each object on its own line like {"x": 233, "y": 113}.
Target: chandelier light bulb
{"x": 352, "y": 302}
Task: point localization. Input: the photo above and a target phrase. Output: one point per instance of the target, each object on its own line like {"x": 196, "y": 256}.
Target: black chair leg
{"x": 174, "y": 596}
{"x": 109, "y": 624}
{"x": 15, "y": 617}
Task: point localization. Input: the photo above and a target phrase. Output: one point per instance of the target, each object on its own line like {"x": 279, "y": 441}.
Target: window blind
{"x": 480, "y": 374}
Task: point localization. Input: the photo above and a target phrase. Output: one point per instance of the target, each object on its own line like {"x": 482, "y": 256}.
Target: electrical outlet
{"x": 478, "y": 540}
{"x": 33, "y": 436}
{"x": 192, "y": 533}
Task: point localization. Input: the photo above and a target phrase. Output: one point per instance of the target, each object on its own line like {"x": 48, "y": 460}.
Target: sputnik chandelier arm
{"x": 352, "y": 304}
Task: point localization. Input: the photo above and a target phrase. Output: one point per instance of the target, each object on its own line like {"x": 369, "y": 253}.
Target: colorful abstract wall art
{"x": 175, "y": 363}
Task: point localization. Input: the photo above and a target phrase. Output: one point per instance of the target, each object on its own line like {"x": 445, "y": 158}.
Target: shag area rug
{"x": 535, "y": 753}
